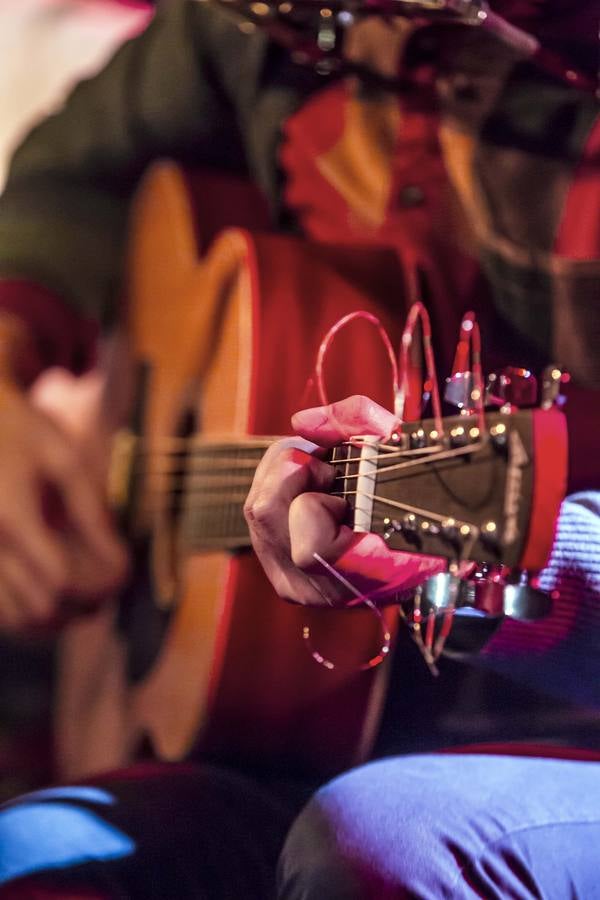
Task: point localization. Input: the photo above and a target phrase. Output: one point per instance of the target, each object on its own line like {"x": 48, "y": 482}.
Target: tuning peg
{"x": 326, "y": 34}
{"x": 487, "y": 591}
{"x": 511, "y": 387}
{"x": 552, "y": 379}
{"x": 459, "y": 390}
{"x": 447, "y": 591}
{"x": 441, "y": 592}
{"x": 417, "y": 439}
{"x": 525, "y": 600}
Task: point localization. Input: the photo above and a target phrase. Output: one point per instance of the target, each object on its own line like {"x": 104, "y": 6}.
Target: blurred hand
{"x": 56, "y": 540}
{"x": 291, "y": 516}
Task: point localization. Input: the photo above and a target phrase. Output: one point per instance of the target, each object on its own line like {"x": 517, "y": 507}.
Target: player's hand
{"x": 291, "y": 515}
{"x": 57, "y": 544}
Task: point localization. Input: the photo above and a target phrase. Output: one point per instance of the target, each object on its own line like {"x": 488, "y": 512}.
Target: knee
{"x": 57, "y": 829}
{"x": 314, "y": 863}
{"x": 371, "y": 833}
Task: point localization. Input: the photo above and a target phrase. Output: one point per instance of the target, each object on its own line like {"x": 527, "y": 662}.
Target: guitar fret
{"x": 217, "y": 483}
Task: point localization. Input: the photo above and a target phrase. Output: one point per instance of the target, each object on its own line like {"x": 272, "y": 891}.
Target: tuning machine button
{"x": 390, "y": 527}
{"x": 418, "y": 439}
{"x": 450, "y": 531}
{"x": 511, "y": 387}
{"x": 429, "y": 528}
{"x": 408, "y": 527}
{"x": 409, "y": 524}
{"x": 400, "y": 439}
{"x": 415, "y": 530}
{"x": 552, "y": 379}
{"x": 499, "y": 436}
{"x": 326, "y": 34}
{"x": 459, "y": 436}
{"x": 459, "y": 390}
{"x": 487, "y": 591}
{"x": 522, "y": 601}
{"x": 489, "y": 535}
{"x": 441, "y": 591}
{"x": 525, "y": 600}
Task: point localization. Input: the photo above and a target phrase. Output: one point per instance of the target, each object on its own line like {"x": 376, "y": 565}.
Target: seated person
{"x": 507, "y": 153}
{"x": 436, "y": 825}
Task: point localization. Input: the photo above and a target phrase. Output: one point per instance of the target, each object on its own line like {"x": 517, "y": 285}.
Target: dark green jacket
{"x": 195, "y": 87}
{"x": 190, "y": 88}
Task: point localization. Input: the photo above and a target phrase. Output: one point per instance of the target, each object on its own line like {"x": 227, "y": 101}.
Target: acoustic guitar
{"x": 198, "y": 655}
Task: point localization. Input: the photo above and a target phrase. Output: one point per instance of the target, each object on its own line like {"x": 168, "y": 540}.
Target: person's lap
{"x": 427, "y": 826}
{"x": 436, "y": 826}
{"x": 155, "y": 831}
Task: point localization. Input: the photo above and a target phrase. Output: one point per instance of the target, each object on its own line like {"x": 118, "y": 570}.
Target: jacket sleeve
{"x": 560, "y": 655}
{"x": 182, "y": 89}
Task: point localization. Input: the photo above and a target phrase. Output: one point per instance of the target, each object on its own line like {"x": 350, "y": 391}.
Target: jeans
{"x": 426, "y": 826}
{"x": 155, "y": 831}
{"x": 459, "y": 826}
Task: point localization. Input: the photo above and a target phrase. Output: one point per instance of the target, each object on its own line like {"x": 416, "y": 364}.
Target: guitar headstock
{"x": 490, "y": 494}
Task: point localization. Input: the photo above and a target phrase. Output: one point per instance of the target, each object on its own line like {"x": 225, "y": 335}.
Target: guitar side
{"x": 233, "y": 336}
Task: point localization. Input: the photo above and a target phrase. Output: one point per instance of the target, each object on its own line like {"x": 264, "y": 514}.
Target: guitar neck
{"x": 458, "y": 494}
{"x": 213, "y": 488}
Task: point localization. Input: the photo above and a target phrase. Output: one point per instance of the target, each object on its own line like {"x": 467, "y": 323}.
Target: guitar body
{"x": 228, "y": 341}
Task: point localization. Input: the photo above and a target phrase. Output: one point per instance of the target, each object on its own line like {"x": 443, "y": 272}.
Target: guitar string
{"x": 384, "y": 452}
{"x": 426, "y": 514}
{"x": 159, "y": 465}
{"x": 360, "y": 598}
{"x": 231, "y": 513}
{"x": 198, "y": 479}
{"x": 202, "y": 443}
{"x": 422, "y": 454}
{"x": 474, "y": 530}
{"x": 405, "y": 507}
{"x": 223, "y": 504}
{"x": 443, "y": 455}
{"x": 236, "y": 502}
{"x": 181, "y": 445}
{"x": 164, "y": 462}
{"x": 198, "y": 482}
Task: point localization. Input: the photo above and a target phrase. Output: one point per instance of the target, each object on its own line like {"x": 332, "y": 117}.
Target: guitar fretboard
{"x": 214, "y": 488}
{"x": 459, "y": 494}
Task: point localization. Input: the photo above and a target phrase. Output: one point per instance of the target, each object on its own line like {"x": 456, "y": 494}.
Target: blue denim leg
{"x": 160, "y": 831}
{"x": 436, "y": 826}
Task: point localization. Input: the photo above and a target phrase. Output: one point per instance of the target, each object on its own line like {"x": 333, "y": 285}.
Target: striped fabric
{"x": 561, "y": 655}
